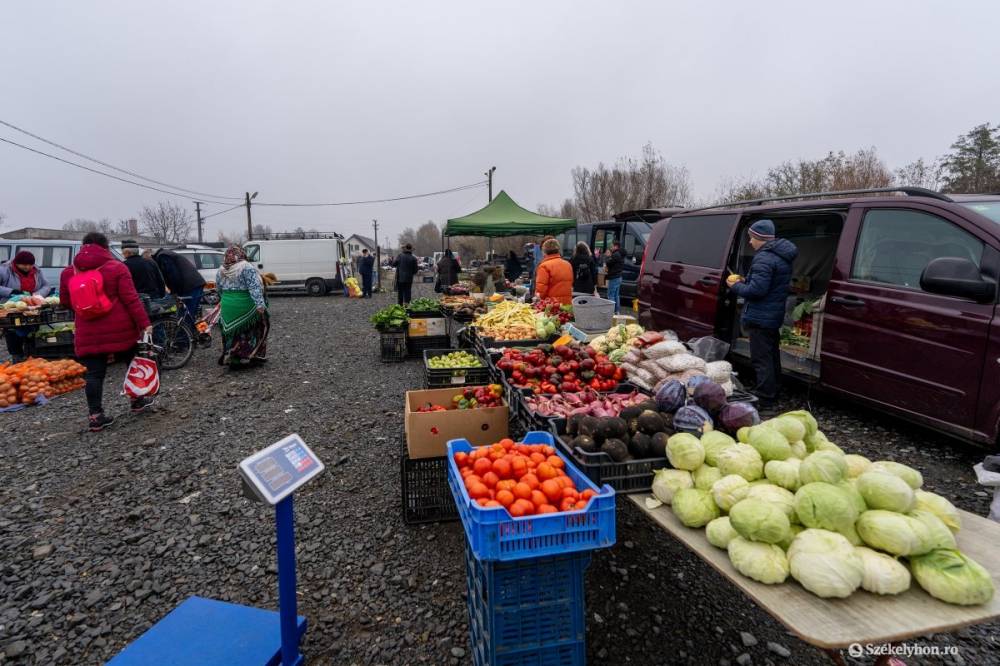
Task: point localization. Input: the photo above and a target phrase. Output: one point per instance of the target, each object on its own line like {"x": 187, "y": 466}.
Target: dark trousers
{"x": 405, "y": 290}
{"x": 15, "y": 344}
{"x": 97, "y": 369}
{"x": 366, "y": 285}
{"x": 193, "y": 305}
{"x": 765, "y": 357}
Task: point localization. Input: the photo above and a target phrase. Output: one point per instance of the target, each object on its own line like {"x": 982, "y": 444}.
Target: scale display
{"x": 279, "y": 470}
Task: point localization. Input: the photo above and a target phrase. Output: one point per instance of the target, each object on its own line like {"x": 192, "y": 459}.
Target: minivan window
{"x": 253, "y": 252}
{"x": 4, "y": 253}
{"x": 990, "y": 209}
{"x": 210, "y": 260}
{"x": 699, "y": 240}
{"x": 50, "y": 256}
{"x": 895, "y": 245}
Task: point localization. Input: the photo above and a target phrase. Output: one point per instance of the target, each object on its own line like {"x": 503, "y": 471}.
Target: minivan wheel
{"x": 315, "y": 287}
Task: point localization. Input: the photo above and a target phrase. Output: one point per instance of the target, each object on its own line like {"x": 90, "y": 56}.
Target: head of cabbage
{"x": 741, "y": 459}
{"x": 940, "y": 507}
{"x": 825, "y": 466}
{"x": 913, "y": 478}
{"x": 813, "y": 440}
{"x": 705, "y": 476}
{"x": 770, "y": 443}
{"x": 763, "y": 562}
{"x": 883, "y": 574}
{"x": 714, "y": 441}
{"x": 666, "y": 482}
{"x": 893, "y": 532}
{"x": 684, "y": 451}
{"x": 825, "y": 506}
{"x": 850, "y": 488}
{"x": 743, "y": 434}
{"x": 951, "y": 576}
{"x": 729, "y": 490}
{"x": 784, "y": 473}
{"x": 758, "y": 520}
{"x": 805, "y": 418}
{"x": 799, "y": 450}
{"x": 825, "y": 563}
{"x": 938, "y": 534}
{"x": 793, "y": 532}
{"x": 720, "y": 532}
{"x": 694, "y": 507}
{"x": 776, "y": 495}
{"x": 856, "y": 465}
{"x": 790, "y": 427}
{"x": 885, "y": 491}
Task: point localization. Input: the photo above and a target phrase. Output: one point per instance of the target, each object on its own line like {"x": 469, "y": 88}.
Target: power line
{"x": 205, "y": 217}
{"x": 112, "y": 166}
{"x": 109, "y": 175}
{"x": 370, "y": 201}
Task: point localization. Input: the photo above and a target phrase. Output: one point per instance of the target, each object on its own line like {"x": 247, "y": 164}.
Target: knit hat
{"x": 24, "y": 257}
{"x": 762, "y": 230}
{"x": 129, "y": 244}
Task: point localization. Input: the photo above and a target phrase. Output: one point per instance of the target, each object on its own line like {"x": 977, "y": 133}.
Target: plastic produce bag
{"x": 708, "y": 348}
{"x": 143, "y": 376}
{"x": 990, "y": 479}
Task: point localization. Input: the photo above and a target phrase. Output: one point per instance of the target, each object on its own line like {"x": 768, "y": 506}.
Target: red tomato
{"x": 556, "y": 462}
{"x": 587, "y": 494}
{"x": 516, "y": 509}
{"x": 531, "y": 480}
{"x": 537, "y": 457}
{"x": 482, "y": 466}
{"x": 505, "y": 497}
{"x": 461, "y": 458}
{"x": 527, "y": 505}
{"x": 538, "y": 498}
{"x": 547, "y": 508}
{"x": 570, "y": 492}
{"x": 522, "y": 491}
{"x": 546, "y": 471}
{"x": 492, "y": 503}
{"x": 581, "y": 504}
{"x": 506, "y": 443}
{"x": 502, "y": 468}
{"x": 482, "y": 501}
{"x": 506, "y": 484}
{"x": 566, "y": 504}
{"x": 552, "y": 490}
{"x": 478, "y": 490}
{"x": 548, "y": 450}
{"x": 490, "y": 479}
{"x": 472, "y": 478}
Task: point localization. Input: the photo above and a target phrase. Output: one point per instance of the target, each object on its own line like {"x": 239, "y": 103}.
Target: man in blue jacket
{"x": 765, "y": 290}
{"x": 366, "y": 266}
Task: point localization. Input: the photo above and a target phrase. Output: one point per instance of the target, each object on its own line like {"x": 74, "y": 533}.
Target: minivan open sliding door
{"x": 892, "y": 343}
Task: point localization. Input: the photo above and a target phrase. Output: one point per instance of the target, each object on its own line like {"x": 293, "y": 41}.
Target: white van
{"x": 316, "y": 265}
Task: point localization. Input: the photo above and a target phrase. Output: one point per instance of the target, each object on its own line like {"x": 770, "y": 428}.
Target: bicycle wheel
{"x": 177, "y": 342}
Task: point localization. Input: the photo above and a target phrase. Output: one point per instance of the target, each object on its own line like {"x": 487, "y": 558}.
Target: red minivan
{"x": 893, "y": 297}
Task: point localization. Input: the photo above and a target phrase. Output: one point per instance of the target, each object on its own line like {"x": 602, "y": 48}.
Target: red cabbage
{"x": 671, "y": 396}
{"x": 692, "y": 419}
{"x": 738, "y": 415}
{"x": 709, "y": 396}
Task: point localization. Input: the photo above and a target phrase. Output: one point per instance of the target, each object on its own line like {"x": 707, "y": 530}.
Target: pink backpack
{"x": 86, "y": 293}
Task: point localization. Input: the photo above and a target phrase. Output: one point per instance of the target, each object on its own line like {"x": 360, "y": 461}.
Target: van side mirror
{"x": 954, "y": 276}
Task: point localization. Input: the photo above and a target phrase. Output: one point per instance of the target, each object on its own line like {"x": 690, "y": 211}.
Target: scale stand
{"x": 207, "y": 632}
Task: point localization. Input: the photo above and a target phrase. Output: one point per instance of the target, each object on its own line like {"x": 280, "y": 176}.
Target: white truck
{"x": 316, "y": 265}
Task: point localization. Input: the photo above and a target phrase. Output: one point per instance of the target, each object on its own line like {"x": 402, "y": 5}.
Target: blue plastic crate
{"x": 528, "y": 612}
{"x": 493, "y": 534}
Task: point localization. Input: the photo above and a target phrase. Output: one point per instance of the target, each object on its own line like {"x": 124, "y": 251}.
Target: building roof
{"x": 40, "y": 233}
{"x": 364, "y": 239}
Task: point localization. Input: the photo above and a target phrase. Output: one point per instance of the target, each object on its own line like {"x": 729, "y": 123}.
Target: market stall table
{"x": 863, "y": 618}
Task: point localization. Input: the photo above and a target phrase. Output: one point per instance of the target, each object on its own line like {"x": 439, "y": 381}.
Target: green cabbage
{"x": 825, "y": 563}
{"x": 893, "y": 532}
{"x": 812, "y": 440}
{"x": 825, "y": 506}
{"x": 694, "y": 508}
{"x": 885, "y": 491}
{"x": 758, "y": 520}
{"x": 666, "y": 482}
{"x": 856, "y": 465}
{"x": 741, "y": 459}
{"x": 763, "y": 562}
{"x": 883, "y": 574}
{"x": 804, "y": 417}
{"x": 684, "y": 451}
{"x": 790, "y": 428}
{"x": 770, "y": 443}
{"x": 912, "y": 477}
{"x": 951, "y": 576}
{"x": 799, "y": 450}
{"x": 714, "y": 441}
{"x": 780, "y": 497}
{"x": 939, "y": 534}
{"x": 705, "y": 476}
{"x": 826, "y": 466}
{"x": 784, "y": 473}
{"x": 850, "y": 487}
{"x": 729, "y": 490}
{"x": 940, "y": 507}
{"x": 720, "y": 532}
{"x": 743, "y": 434}
{"x": 793, "y": 532}
{"x": 827, "y": 445}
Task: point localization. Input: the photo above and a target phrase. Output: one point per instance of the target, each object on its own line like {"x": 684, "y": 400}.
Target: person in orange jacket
{"x": 554, "y": 275}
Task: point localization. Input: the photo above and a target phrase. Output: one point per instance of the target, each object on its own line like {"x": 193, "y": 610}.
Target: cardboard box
{"x": 423, "y": 327}
{"x": 427, "y": 433}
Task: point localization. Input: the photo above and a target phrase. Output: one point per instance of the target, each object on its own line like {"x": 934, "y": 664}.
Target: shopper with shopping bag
{"x": 110, "y": 319}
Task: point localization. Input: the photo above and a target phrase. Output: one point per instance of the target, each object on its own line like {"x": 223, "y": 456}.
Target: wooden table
{"x": 864, "y": 618}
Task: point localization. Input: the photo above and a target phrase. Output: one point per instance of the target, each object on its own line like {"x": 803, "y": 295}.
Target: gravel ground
{"x": 103, "y": 534}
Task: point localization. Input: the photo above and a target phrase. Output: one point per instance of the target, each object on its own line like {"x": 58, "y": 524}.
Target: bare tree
{"x": 428, "y": 239}
{"x": 408, "y": 235}
{"x": 919, "y": 174}
{"x": 236, "y": 238}
{"x": 261, "y": 230}
{"x": 168, "y": 222}
{"x": 3, "y": 217}
{"x": 104, "y": 225}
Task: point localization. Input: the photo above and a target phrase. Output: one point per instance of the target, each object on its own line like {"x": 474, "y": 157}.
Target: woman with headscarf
{"x": 244, "y": 319}
{"x": 21, "y": 276}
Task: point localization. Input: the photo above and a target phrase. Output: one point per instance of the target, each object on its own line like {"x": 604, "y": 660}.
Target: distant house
{"x": 357, "y": 243}
{"x": 39, "y": 233}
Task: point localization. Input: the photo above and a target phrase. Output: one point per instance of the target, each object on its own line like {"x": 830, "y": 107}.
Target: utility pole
{"x": 249, "y": 221}
{"x": 378, "y": 257}
{"x": 489, "y": 177}
{"x": 197, "y": 211}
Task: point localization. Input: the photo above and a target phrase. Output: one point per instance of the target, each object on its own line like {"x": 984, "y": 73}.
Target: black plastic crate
{"x": 393, "y": 347}
{"x": 426, "y": 314}
{"x": 426, "y": 495}
{"x": 415, "y": 347}
{"x": 633, "y": 476}
{"x": 57, "y": 316}
{"x": 50, "y": 345}
{"x": 439, "y": 378}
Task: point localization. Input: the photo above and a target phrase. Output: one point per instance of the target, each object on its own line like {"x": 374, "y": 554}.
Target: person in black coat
{"x": 584, "y": 270}
{"x": 512, "y": 268}
{"x": 183, "y": 280}
{"x": 406, "y": 269}
{"x": 145, "y": 273}
{"x": 448, "y": 270}
{"x": 366, "y": 266}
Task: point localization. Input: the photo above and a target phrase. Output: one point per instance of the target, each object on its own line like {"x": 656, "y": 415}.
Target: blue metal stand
{"x": 284, "y": 514}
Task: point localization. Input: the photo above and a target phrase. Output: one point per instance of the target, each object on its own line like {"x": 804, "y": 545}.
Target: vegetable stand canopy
{"x": 503, "y": 217}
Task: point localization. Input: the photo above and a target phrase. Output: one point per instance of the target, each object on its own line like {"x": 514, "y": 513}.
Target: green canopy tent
{"x": 503, "y": 217}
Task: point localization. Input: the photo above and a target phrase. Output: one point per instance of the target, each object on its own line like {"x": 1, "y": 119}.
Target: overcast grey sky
{"x": 333, "y": 101}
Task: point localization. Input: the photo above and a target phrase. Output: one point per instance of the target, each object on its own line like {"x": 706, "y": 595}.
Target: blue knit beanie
{"x": 762, "y": 230}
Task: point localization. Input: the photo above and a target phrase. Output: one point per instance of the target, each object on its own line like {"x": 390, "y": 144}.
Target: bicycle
{"x": 173, "y": 334}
